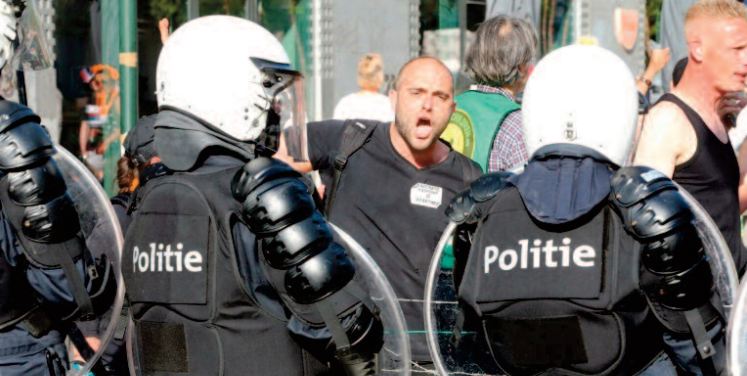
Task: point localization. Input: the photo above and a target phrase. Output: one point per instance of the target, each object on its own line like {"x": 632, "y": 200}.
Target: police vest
{"x": 475, "y": 123}
{"x": 558, "y": 299}
{"x": 192, "y": 311}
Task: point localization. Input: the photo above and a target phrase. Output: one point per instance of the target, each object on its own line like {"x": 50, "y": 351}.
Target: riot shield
{"x": 736, "y": 339}
{"x": 726, "y": 279}
{"x": 457, "y": 352}
{"x": 103, "y": 237}
{"x": 394, "y": 357}
{"x": 441, "y": 313}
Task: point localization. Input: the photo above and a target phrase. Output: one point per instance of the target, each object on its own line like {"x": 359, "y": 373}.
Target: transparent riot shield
{"x": 394, "y": 357}
{"x": 375, "y": 291}
{"x": 726, "y": 279}
{"x": 103, "y": 238}
{"x": 461, "y": 352}
{"x": 736, "y": 340}
{"x": 454, "y": 351}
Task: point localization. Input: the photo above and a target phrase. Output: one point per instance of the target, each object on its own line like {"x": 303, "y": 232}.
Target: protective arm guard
{"x": 677, "y": 277}
{"x": 297, "y": 244}
{"x": 466, "y": 209}
{"x": 34, "y": 198}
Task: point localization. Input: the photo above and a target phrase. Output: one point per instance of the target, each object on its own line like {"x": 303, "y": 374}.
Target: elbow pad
{"x": 36, "y": 203}
{"x": 295, "y": 238}
{"x": 293, "y": 235}
{"x": 33, "y": 191}
{"x": 655, "y": 213}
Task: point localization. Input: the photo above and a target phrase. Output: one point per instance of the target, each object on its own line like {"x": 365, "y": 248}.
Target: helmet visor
{"x": 285, "y": 87}
{"x": 289, "y": 105}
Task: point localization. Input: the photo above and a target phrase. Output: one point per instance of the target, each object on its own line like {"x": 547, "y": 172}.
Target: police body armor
{"x": 568, "y": 295}
{"x": 192, "y": 311}
{"x": 590, "y": 296}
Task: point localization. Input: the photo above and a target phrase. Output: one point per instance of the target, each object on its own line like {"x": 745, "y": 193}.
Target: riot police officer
{"x": 579, "y": 265}
{"x": 233, "y": 269}
{"x": 48, "y": 276}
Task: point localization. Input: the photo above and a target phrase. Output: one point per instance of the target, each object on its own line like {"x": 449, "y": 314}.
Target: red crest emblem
{"x": 626, "y": 27}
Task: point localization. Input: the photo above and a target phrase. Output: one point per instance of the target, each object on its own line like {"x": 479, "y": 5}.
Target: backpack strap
{"x": 355, "y": 134}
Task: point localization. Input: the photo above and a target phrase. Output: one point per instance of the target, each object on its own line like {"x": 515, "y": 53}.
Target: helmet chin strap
{"x": 268, "y": 141}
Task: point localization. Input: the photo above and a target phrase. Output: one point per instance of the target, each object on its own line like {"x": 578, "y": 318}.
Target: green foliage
{"x": 653, "y": 11}
{"x": 165, "y": 8}
{"x": 232, "y": 7}
{"x": 174, "y": 10}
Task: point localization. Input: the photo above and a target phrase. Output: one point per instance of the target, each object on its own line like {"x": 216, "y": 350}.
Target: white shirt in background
{"x": 739, "y": 132}
{"x": 364, "y": 105}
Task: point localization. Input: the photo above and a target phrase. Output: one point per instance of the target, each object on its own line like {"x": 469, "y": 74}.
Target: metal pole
{"x": 128, "y": 63}
{"x": 578, "y": 14}
{"x": 193, "y": 9}
{"x": 316, "y": 56}
{"x": 110, "y": 36}
{"x": 251, "y": 11}
{"x": 462, "y": 31}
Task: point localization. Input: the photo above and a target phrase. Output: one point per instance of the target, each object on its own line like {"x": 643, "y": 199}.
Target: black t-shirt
{"x": 393, "y": 209}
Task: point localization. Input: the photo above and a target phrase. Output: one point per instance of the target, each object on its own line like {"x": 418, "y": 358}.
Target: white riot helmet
{"x": 581, "y": 95}
{"x": 230, "y": 72}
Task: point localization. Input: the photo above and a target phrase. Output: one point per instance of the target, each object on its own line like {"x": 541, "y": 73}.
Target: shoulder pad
{"x": 23, "y": 144}
{"x": 463, "y": 207}
{"x": 648, "y": 201}
{"x": 257, "y": 172}
{"x": 12, "y": 113}
{"x": 632, "y": 184}
{"x": 487, "y": 186}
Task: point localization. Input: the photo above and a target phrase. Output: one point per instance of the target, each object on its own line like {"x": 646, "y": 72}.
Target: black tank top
{"x": 711, "y": 175}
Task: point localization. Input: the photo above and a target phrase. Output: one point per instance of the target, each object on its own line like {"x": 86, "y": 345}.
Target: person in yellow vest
{"x": 486, "y": 125}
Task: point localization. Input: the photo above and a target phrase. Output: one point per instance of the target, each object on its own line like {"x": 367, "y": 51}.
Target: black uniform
{"x": 559, "y": 280}
{"x": 200, "y": 297}
{"x": 392, "y": 209}
{"x": 47, "y": 276}
{"x": 139, "y": 149}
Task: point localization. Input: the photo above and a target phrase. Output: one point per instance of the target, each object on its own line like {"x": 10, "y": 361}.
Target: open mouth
{"x": 423, "y": 128}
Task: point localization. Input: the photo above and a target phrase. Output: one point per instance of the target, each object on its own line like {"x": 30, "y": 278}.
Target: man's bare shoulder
{"x": 666, "y": 116}
{"x": 666, "y": 140}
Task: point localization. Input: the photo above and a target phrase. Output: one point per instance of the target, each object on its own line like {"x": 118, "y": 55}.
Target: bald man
{"x": 393, "y": 191}
{"x": 683, "y": 135}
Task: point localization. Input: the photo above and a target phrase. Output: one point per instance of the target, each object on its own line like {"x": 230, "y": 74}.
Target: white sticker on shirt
{"x": 426, "y": 195}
